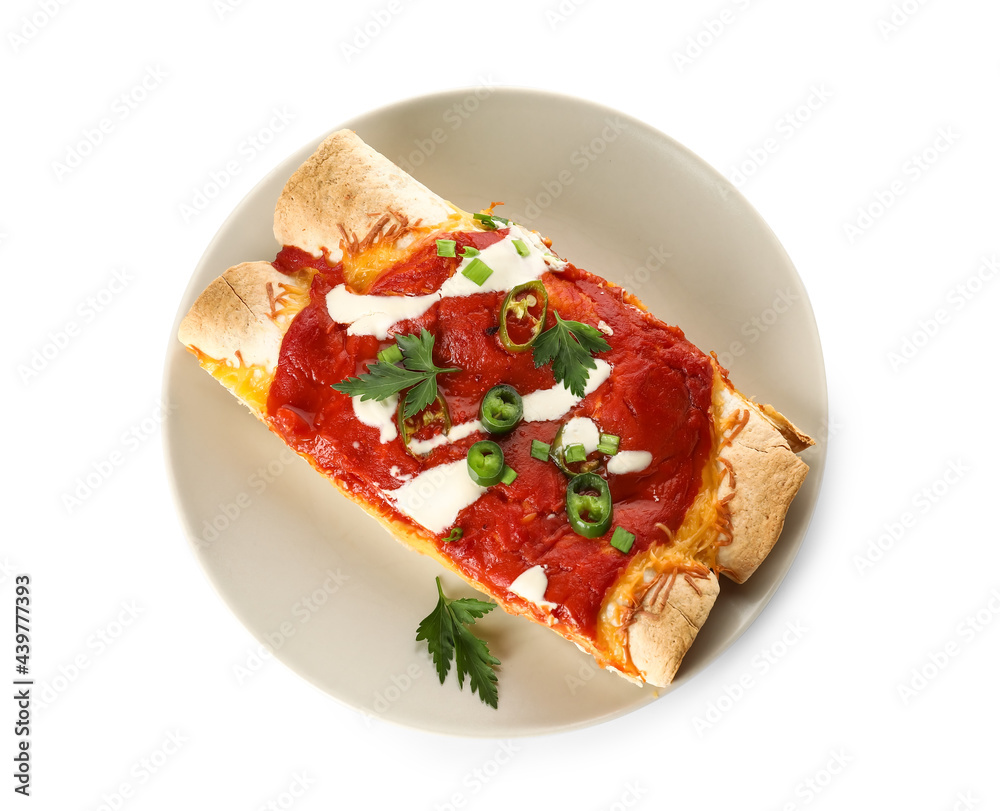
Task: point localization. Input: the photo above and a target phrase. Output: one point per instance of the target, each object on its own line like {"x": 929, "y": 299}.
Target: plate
{"x": 324, "y": 587}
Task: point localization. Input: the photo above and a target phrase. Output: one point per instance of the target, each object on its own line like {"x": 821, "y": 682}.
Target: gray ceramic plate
{"x": 333, "y": 595}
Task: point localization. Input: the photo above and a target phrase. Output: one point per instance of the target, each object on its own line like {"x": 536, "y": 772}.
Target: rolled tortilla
{"x": 667, "y": 621}
{"x": 347, "y": 199}
{"x": 347, "y": 196}
{"x": 761, "y": 477}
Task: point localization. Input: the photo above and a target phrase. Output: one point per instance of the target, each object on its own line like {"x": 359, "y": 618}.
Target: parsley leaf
{"x": 384, "y": 379}
{"x": 568, "y": 347}
{"x": 447, "y": 634}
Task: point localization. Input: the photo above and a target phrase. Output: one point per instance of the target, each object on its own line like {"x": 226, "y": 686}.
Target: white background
{"x": 890, "y": 678}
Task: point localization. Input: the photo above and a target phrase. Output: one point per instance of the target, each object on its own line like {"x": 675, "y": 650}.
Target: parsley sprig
{"x": 568, "y": 346}
{"x": 384, "y": 379}
{"x": 447, "y": 634}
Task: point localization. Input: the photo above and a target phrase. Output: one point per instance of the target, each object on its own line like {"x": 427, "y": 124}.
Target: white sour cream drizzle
{"x": 530, "y": 585}
{"x": 457, "y": 433}
{"x": 435, "y": 497}
{"x": 551, "y": 404}
{"x": 581, "y": 431}
{"x": 375, "y": 315}
{"x": 379, "y": 414}
{"x": 629, "y": 462}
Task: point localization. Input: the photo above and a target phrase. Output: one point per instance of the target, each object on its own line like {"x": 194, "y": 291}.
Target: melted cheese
{"x": 251, "y": 382}
{"x": 691, "y": 550}
{"x": 363, "y": 267}
{"x": 376, "y": 315}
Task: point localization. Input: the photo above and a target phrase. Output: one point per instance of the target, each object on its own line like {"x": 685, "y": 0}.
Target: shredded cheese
{"x": 251, "y": 382}
{"x": 368, "y": 257}
{"x": 688, "y": 552}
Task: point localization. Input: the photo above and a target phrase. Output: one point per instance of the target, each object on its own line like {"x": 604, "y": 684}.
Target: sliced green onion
{"x": 485, "y": 463}
{"x": 501, "y": 410}
{"x": 522, "y": 249}
{"x": 509, "y": 474}
{"x": 469, "y": 251}
{"x": 486, "y": 220}
{"x": 446, "y": 247}
{"x": 478, "y": 271}
{"x": 622, "y": 539}
{"x": 588, "y": 505}
{"x": 455, "y": 534}
{"x": 498, "y": 218}
{"x": 391, "y": 354}
{"x": 575, "y": 463}
{"x": 540, "y": 450}
{"x": 609, "y": 444}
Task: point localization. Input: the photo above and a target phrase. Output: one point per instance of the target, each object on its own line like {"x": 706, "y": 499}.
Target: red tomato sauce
{"x": 657, "y": 400}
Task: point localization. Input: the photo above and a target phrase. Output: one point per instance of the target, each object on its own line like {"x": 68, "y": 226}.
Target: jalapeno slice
{"x": 485, "y": 463}
{"x": 522, "y": 316}
{"x": 568, "y": 458}
{"x": 588, "y": 505}
{"x": 501, "y": 409}
{"x": 421, "y": 425}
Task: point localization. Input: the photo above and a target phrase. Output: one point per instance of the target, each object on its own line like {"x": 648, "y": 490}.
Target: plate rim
{"x": 174, "y": 352}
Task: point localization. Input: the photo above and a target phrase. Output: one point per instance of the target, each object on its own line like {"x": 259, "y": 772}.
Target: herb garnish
{"x": 383, "y": 378}
{"x": 448, "y": 636}
{"x": 568, "y": 345}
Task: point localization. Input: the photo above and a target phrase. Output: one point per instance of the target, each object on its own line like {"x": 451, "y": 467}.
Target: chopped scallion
{"x": 522, "y": 249}
{"x": 540, "y": 450}
{"x": 391, "y": 354}
{"x": 509, "y": 474}
{"x": 609, "y": 444}
{"x": 478, "y": 271}
{"x": 486, "y": 220}
{"x": 574, "y": 453}
{"x": 454, "y": 535}
{"x": 622, "y": 539}
{"x": 468, "y": 251}
{"x": 446, "y": 247}
{"x": 489, "y": 221}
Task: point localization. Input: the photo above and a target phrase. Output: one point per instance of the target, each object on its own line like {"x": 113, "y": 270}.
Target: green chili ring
{"x": 557, "y": 454}
{"x": 485, "y": 463}
{"x": 518, "y": 306}
{"x": 501, "y": 410}
{"x": 589, "y": 515}
{"x": 436, "y": 412}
